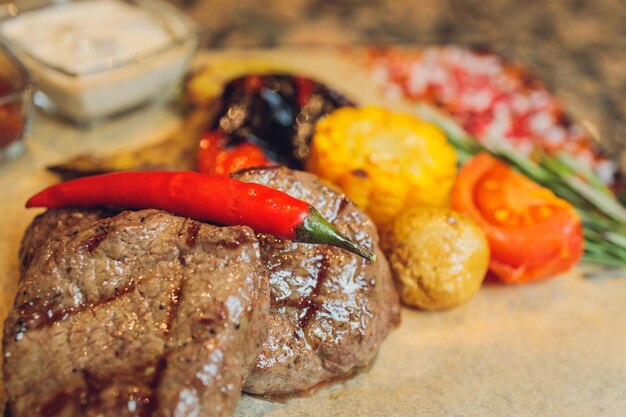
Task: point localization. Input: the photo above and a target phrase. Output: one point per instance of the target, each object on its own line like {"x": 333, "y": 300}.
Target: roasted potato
{"x": 439, "y": 257}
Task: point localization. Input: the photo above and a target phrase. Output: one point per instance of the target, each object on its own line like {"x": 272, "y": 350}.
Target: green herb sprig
{"x": 603, "y": 216}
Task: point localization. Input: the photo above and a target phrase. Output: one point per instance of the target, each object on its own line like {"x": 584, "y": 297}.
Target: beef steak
{"x": 51, "y": 223}
{"x": 140, "y": 314}
{"x": 330, "y": 309}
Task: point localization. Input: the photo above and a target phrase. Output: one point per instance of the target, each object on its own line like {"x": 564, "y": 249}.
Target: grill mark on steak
{"x": 53, "y": 223}
{"x": 92, "y": 243}
{"x": 192, "y": 234}
{"x": 34, "y": 319}
{"x": 342, "y": 206}
{"x": 173, "y": 307}
{"x": 58, "y": 402}
{"x": 95, "y": 385}
{"x": 235, "y": 242}
{"x": 161, "y": 364}
{"x": 232, "y": 244}
{"x": 153, "y": 400}
{"x": 311, "y": 304}
{"x": 91, "y": 395}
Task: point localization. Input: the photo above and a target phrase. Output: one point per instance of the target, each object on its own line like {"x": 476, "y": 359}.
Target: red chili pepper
{"x": 216, "y": 158}
{"x": 217, "y": 199}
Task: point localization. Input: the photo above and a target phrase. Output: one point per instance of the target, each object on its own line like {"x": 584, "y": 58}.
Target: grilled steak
{"x": 51, "y": 223}
{"x": 140, "y": 314}
{"x": 330, "y": 309}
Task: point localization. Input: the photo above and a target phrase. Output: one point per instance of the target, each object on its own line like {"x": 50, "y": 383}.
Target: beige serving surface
{"x": 551, "y": 349}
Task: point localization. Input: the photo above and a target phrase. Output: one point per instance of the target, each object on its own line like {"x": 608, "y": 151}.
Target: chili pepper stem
{"x": 316, "y": 229}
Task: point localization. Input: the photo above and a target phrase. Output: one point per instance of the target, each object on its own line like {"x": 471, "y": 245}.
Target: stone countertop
{"x": 578, "y": 47}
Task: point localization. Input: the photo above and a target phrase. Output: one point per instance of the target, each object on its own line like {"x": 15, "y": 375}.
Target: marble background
{"x": 577, "y": 46}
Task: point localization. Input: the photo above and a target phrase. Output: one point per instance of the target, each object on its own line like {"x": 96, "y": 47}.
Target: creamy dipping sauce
{"x": 82, "y": 37}
{"x": 92, "y": 59}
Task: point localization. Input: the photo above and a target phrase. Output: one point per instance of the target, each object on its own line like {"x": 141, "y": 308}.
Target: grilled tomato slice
{"x": 532, "y": 233}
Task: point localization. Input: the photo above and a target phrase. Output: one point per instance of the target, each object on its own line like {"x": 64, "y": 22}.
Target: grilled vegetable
{"x": 218, "y": 157}
{"x": 384, "y": 161}
{"x": 203, "y": 197}
{"x": 276, "y": 112}
{"x": 603, "y": 215}
{"x": 438, "y": 257}
{"x": 532, "y": 233}
{"x": 491, "y": 98}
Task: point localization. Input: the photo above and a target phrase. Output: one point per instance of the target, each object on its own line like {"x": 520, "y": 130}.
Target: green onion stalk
{"x": 603, "y": 216}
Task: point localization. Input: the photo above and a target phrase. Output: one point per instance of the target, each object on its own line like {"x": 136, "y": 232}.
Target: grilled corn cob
{"x": 384, "y": 161}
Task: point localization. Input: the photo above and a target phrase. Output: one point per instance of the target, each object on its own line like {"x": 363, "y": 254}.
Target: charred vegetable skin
{"x": 216, "y": 199}
{"x": 215, "y": 157}
{"x": 276, "y": 112}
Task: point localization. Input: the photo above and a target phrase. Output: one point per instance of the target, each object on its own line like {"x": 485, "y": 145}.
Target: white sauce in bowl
{"x": 80, "y": 37}
{"x": 92, "y": 59}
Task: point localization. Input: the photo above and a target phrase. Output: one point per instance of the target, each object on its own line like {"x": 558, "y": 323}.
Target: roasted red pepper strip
{"x": 216, "y": 158}
{"x": 217, "y": 199}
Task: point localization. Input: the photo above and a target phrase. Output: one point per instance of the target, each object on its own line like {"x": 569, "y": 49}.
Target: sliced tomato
{"x": 532, "y": 233}
{"x": 215, "y": 157}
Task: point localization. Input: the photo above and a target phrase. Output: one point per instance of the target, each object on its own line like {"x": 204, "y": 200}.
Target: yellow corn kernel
{"x": 384, "y": 161}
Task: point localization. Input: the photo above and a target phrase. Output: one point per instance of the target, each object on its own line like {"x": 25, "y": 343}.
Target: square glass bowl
{"x": 16, "y": 94}
{"x": 93, "y": 59}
